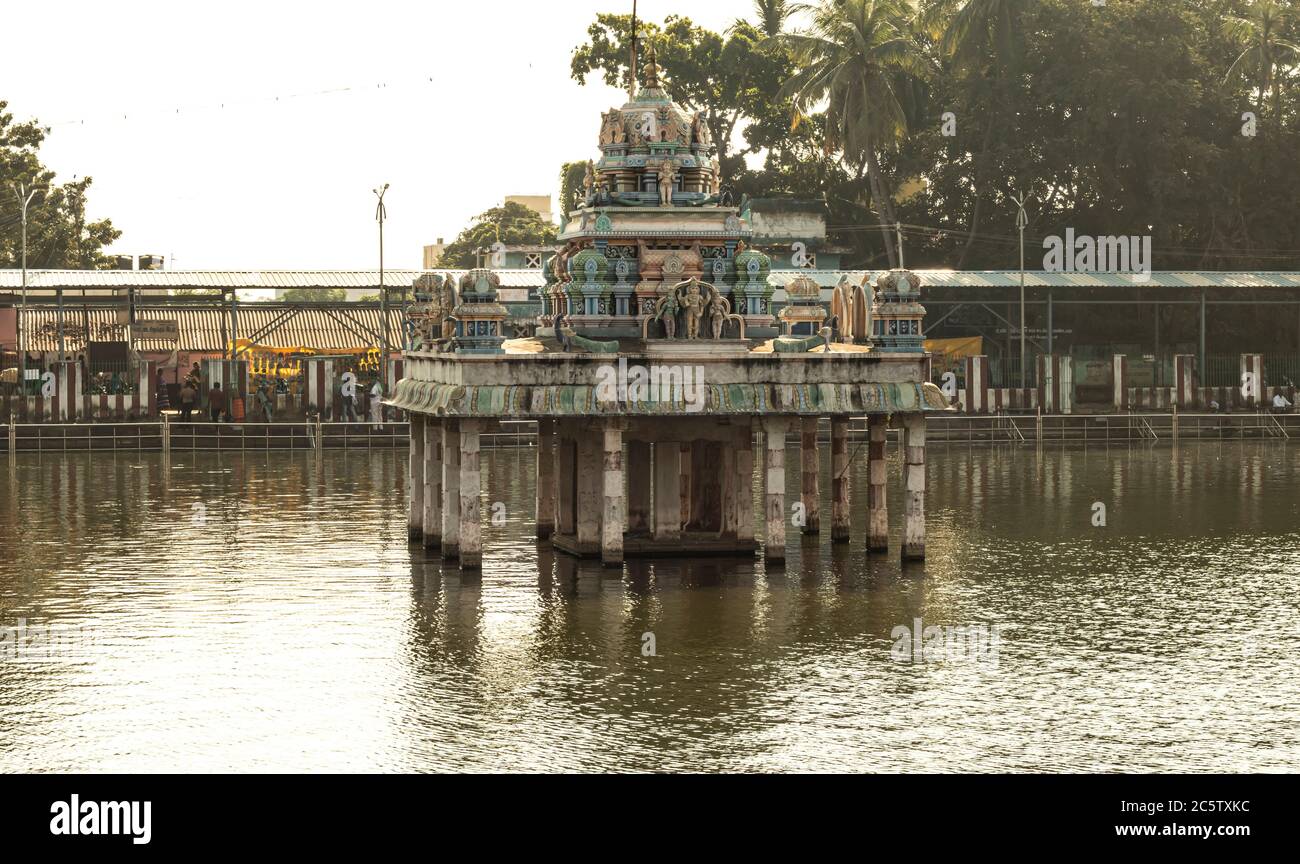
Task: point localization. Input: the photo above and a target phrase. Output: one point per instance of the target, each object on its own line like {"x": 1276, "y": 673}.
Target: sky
{"x": 250, "y": 135}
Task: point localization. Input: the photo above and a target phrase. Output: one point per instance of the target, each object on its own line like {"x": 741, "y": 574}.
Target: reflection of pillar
{"x": 745, "y": 482}
{"x": 810, "y": 465}
{"x": 638, "y": 486}
{"x": 545, "y": 479}
{"x": 471, "y": 539}
{"x": 614, "y": 505}
{"x": 415, "y": 515}
{"x": 877, "y": 508}
{"x": 667, "y": 493}
{"x": 774, "y": 469}
{"x": 566, "y": 479}
{"x": 589, "y": 490}
{"x": 432, "y": 481}
{"x": 450, "y": 488}
{"x": 914, "y": 471}
{"x": 839, "y": 479}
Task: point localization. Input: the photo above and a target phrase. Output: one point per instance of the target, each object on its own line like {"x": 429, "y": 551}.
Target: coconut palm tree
{"x": 854, "y": 57}
{"x": 985, "y": 40}
{"x": 1263, "y": 35}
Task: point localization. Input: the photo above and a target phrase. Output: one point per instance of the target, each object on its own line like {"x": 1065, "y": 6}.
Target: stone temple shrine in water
{"x": 659, "y": 377}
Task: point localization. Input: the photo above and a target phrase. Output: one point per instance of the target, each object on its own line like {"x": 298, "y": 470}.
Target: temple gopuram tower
{"x": 662, "y": 386}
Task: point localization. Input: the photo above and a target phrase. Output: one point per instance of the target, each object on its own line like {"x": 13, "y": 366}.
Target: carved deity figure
{"x": 715, "y": 182}
{"x": 589, "y": 179}
{"x": 694, "y": 305}
{"x": 669, "y": 316}
{"x": 667, "y": 177}
{"x": 700, "y": 130}
{"x": 718, "y": 315}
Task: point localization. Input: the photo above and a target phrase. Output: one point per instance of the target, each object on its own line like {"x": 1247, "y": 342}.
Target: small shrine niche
{"x": 898, "y": 313}
{"x": 803, "y": 314}
{"x": 479, "y": 319}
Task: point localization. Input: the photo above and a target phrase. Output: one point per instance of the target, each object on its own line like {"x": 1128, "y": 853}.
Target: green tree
{"x": 857, "y": 57}
{"x": 571, "y": 192}
{"x": 512, "y": 224}
{"x": 314, "y": 295}
{"x": 58, "y": 234}
{"x": 1263, "y": 33}
{"x": 727, "y": 77}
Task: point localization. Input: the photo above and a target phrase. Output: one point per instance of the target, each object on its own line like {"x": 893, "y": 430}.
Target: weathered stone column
{"x": 415, "y": 516}
{"x": 839, "y": 480}
{"x": 668, "y": 491}
{"x": 638, "y": 486}
{"x": 471, "y": 538}
{"x": 728, "y": 491}
{"x": 451, "y": 489}
{"x": 614, "y": 507}
{"x": 545, "y": 479}
{"x": 810, "y": 467}
{"x": 589, "y": 490}
{"x": 774, "y": 501}
{"x": 684, "y": 488}
{"x": 914, "y": 471}
{"x": 877, "y": 508}
{"x": 432, "y": 483}
{"x": 566, "y": 485}
{"x": 745, "y": 482}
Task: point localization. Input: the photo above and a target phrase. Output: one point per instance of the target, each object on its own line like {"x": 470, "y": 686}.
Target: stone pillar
{"x": 914, "y": 472}
{"x": 415, "y": 516}
{"x": 471, "y": 538}
{"x": 614, "y": 506}
{"x": 451, "y": 489}
{"x": 745, "y": 483}
{"x": 1185, "y": 389}
{"x": 589, "y": 490}
{"x": 545, "y": 479}
{"x": 728, "y": 483}
{"x": 774, "y": 498}
{"x": 1119, "y": 381}
{"x": 810, "y": 467}
{"x": 668, "y": 491}
{"x": 877, "y": 508}
{"x": 638, "y": 486}
{"x": 1252, "y": 381}
{"x": 839, "y": 480}
{"x": 684, "y": 487}
{"x": 566, "y": 486}
{"x": 432, "y": 483}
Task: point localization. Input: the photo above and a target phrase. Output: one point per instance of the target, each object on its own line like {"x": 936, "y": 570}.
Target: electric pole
{"x": 1021, "y": 222}
{"x": 381, "y": 213}
{"x": 24, "y": 197}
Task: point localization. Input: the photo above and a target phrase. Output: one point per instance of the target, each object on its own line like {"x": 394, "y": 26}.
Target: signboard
{"x": 157, "y": 329}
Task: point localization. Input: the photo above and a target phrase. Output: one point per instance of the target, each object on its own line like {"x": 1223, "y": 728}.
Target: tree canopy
{"x": 1177, "y": 120}
{"x": 58, "y": 235}
{"x": 513, "y": 224}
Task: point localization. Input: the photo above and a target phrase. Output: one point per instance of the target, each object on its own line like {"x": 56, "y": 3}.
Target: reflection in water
{"x": 264, "y": 612}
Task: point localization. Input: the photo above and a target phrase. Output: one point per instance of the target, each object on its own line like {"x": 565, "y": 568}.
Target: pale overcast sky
{"x": 267, "y": 184}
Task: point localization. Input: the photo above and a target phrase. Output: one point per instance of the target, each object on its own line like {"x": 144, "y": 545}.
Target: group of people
{"x": 220, "y": 402}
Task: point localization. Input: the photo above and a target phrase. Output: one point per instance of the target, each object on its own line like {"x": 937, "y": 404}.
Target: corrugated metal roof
{"x": 208, "y": 329}
{"x": 11, "y": 279}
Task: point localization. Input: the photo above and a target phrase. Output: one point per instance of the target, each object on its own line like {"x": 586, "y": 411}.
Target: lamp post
{"x": 1021, "y": 222}
{"x": 24, "y": 197}
{"x": 381, "y": 213}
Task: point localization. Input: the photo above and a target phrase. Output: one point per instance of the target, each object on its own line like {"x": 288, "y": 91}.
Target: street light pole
{"x": 1021, "y": 222}
{"x": 381, "y": 213}
{"x": 24, "y": 196}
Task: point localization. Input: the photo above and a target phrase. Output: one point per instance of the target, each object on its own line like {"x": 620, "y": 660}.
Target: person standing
{"x": 216, "y": 402}
{"x": 189, "y": 396}
{"x": 263, "y": 399}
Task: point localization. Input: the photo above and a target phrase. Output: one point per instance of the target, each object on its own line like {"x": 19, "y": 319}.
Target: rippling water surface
{"x": 262, "y": 612}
